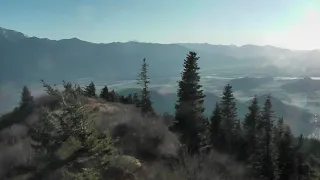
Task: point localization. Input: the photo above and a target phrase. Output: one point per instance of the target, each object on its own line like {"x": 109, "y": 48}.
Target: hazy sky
{"x": 292, "y": 24}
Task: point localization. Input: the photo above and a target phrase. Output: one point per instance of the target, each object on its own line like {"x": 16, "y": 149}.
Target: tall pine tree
{"x": 143, "y": 80}
{"x": 265, "y": 153}
{"x": 90, "y": 90}
{"x": 113, "y": 97}
{"x": 26, "y": 98}
{"x": 104, "y": 94}
{"x": 303, "y": 169}
{"x": 136, "y": 100}
{"x": 79, "y": 90}
{"x": 229, "y": 120}
{"x": 189, "y": 119}
{"x": 278, "y": 132}
{"x": 215, "y": 137}
{"x": 286, "y": 154}
{"x": 130, "y": 99}
{"x": 249, "y": 125}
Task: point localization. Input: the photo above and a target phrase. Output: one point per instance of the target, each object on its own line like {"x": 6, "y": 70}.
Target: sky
{"x": 293, "y": 24}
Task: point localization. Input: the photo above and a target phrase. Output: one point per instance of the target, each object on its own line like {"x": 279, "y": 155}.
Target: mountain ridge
{"x": 44, "y": 56}
{"x": 121, "y": 60}
{"x": 12, "y": 35}
{"x": 129, "y": 41}
{"x": 31, "y": 59}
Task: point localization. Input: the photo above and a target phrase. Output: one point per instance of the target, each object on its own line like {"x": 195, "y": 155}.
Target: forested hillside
{"x": 81, "y": 134}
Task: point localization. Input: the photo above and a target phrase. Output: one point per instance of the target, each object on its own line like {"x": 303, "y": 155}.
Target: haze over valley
{"x": 160, "y": 90}
{"x": 250, "y": 69}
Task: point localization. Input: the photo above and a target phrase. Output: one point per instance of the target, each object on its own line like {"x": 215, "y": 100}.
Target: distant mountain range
{"x": 266, "y": 55}
{"x": 26, "y": 59}
{"x": 305, "y": 85}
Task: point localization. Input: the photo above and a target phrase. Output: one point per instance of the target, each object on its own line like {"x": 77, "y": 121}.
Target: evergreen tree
{"x": 79, "y": 90}
{"x": 266, "y": 150}
{"x": 215, "y": 133}
{"x": 26, "y": 98}
{"x": 229, "y": 119}
{"x": 279, "y": 131}
{"x": 130, "y": 99}
{"x": 143, "y": 81}
{"x": 239, "y": 143}
{"x": 104, "y": 94}
{"x": 135, "y": 99}
{"x": 250, "y": 131}
{"x": 66, "y": 135}
{"x": 286, "y": 154}
{"x": 303, "y": 169}
{"x": 123, "y": 99}
{"x": 189, "y": 107}
{"x": 300, "y": 159}
{"x": 112, "y": 96}
{"x": 126, "y": 99}
{"x": 90, "y": 90}
{"x": 205, "y": 135}
{"x": 67, "y": 85}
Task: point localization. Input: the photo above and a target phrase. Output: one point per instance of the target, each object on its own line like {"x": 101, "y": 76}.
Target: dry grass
{"x": 146, "y": 138}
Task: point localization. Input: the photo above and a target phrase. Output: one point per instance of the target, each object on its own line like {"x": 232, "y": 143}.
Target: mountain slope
{"x": 295, "y": 63}
{"x": 25, "y": 60}
{"x": 240, "y": 52}
{"x": 306, "y": 85}
{"x": 12, "y": 35}
{"x": 32, "y": 59}
{"x": 297, "y": 118}
{"x": 248, "y": 83}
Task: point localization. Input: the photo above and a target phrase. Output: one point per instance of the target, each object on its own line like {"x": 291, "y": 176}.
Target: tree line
{"x": 261, "y": 141}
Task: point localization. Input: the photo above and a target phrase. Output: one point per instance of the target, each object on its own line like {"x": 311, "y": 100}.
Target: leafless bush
{"x": 17, "y": 154}
{"x": 212, "y": 166}
{"x": 158, "y": 171}
{"x": 46, "y": 100}
{"x": 15, "y": 149}
{"x": 147, "y": 138}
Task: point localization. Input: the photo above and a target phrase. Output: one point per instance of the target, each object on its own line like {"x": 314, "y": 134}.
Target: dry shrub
{"x": 211, "y": 166}
{"x": 17, "y": 154}
{"x": 14, "y": 133}
{"x": 146, "y": 138}
{"x": 15, "y": 149}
